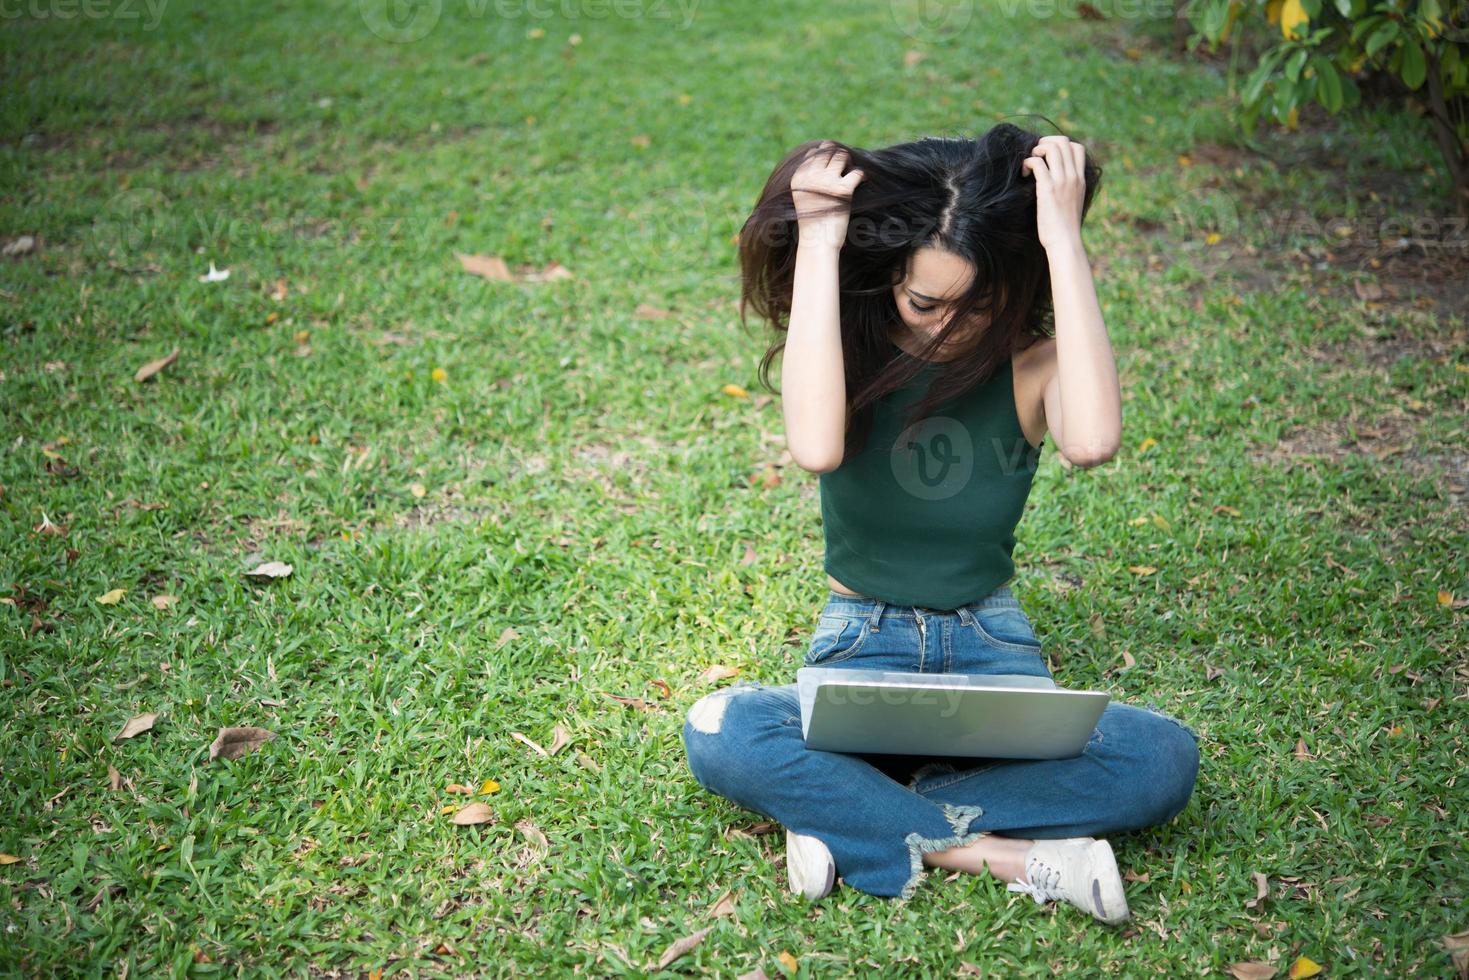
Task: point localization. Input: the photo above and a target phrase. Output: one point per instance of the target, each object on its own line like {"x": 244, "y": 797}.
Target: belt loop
{"x": 875, "y": 616}
{"x": 966, "y": 615}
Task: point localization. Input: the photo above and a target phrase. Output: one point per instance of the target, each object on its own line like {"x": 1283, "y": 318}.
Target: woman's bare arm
{"x": 813, "y": 383}
{"x": 813, "y": 377}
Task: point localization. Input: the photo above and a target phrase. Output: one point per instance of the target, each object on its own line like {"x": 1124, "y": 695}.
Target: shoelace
{"x": 1044, "y": 884}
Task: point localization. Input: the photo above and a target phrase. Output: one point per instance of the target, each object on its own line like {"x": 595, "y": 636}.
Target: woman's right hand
{"x": 821, "y": 171}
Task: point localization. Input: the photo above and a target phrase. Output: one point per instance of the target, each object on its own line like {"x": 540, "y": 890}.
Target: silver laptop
{"x": 1001, "y": 716}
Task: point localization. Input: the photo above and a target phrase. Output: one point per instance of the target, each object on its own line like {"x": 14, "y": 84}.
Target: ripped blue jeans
{"x": 880, "y": 813}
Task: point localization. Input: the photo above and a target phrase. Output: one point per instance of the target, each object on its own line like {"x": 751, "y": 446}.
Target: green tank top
{"x": 927, "y": 517}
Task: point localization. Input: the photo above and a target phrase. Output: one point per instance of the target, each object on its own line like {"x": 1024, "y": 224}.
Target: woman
{"x": 914, "y": 287}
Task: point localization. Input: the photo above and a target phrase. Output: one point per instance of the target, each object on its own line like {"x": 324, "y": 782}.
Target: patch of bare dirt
{"x": 1394, "y": 439}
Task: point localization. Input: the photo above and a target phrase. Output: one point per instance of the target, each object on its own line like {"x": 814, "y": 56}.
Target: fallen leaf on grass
{"x": 646, "y": 311}
{"x": 682, "y": 946}
{"x": 717, "y": 672}
{"x": 153, "y": 367}
{"x": 112, "y": 597}
{"x": 9, "y": 859}
{"x": 559, "y": 738}
{"x": 662, "y": 685}
{"x": 1251, "y": 970}
{"x": 270, "y": 570}
{"x": 533, "y": 834}
{"x": 523, "y": 738}
{"x": 1262, "y": 889}
{"x": 735, "y": 391}
{"x": 488, "y": 786}
{"x": 231, "y": 743}
{"x": 136, "y": 725}
{"x": 488, "y": 266}
{"x": 1303, "y": 966}
{"x": 552, "y": 272}
{"x": 163, "y": 601}
{"x": 46, "y": 527}
{"x": 114, "y": 778}
{"x": 472, "y": 814}
{"x": 723, "y": 905}
{"x": 459, "y": 788}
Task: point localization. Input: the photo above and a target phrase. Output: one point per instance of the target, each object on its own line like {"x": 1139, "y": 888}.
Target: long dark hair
{"x": 964, "y": 195}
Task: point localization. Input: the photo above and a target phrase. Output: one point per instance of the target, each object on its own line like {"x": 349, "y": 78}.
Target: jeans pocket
{"x": 1006, "y": 628}
{"x": 837, "y": 637}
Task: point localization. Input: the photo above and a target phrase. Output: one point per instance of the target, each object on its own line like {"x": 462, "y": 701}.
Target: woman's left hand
{"x": 1057, "y": 163}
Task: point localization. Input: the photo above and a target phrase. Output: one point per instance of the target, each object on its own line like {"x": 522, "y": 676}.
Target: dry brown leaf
{"x": 523, "y": 738}
{"x": 506, "y": 635}
{"x": 1251, "y": 970}
{"x": 912, "y": 58}
{"x": 646, "y": 311}
{"x": 163, "y": 601}
{"x": 114, "y": 778}
{"x": 46, "y": 527}
{"x": 1262, "y": 888}
{"x": 717, "y": 672}
{"x": 533, "y": 834}
{"x": 559, "y": 738}
{"x": 662, "y": 686}
{"x": 231, "y": 743}
{"x": 9, "y": 859}
{"x": 552, "y": 272}
{"x": 459, "y": 788}
{"x": 723, "y": 905}
{"x": 1301, "y": 751}
{"x": 1128, "y": 660}
{"x": 488, "y": 266}
{"x": 270, "y": 570}
{"x": 474, "y": 813}
{"x": 681, "y": 946}
{"x": 136, "y": 725}
{"x": 153, "y": 367}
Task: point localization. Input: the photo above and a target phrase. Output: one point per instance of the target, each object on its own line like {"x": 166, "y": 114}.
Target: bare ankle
{"x": 1003, "y": 857}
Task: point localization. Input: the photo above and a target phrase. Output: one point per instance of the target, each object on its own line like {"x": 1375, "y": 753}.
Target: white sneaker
{"x": 1080, "y": 870}
{"x": 809, "y": 865}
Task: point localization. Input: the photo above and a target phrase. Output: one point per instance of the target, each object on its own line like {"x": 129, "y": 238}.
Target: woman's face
{"x": 925, "y": 297}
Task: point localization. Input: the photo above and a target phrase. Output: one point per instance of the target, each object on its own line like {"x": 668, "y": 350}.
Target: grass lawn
{"x": 513, "y": 506}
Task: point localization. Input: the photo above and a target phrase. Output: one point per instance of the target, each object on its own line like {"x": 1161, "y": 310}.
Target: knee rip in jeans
{"x": 707, "y": 713}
